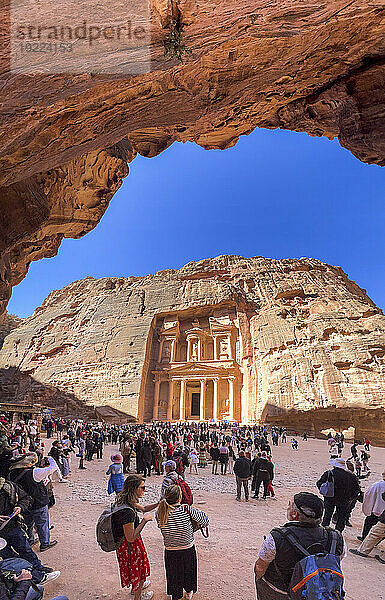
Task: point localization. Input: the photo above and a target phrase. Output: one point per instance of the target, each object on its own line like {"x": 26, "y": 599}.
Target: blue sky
{"x": 277, "y": 194}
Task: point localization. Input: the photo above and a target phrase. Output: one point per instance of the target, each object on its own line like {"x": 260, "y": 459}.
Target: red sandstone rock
{"x": 65, "y": 139}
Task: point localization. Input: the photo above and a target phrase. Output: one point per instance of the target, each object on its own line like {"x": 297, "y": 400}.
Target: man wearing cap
{"x": 277, "y": 557}
{"x": 31, "y": 478}
{"x": 346, "y": 489}
{"x": 170, "y": 477}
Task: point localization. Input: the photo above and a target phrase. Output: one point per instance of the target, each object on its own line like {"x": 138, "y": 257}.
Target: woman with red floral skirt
{"x": 132, "y": 557}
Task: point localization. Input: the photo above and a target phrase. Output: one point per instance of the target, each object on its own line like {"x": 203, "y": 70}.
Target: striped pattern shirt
{"x": 178, "y": 531}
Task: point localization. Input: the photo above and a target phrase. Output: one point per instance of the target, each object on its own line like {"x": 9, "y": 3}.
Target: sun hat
{"x": 23, "y": 460}
{"x": 338, "y": 462}
{"x": 117, "y": 458}
{"x": 3, "y": 543}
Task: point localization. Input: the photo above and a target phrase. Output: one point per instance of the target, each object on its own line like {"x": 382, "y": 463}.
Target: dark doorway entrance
{"x": 195, "y": 404}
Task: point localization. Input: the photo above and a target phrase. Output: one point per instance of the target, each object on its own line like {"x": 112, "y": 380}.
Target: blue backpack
{"x": 316, "y": 576}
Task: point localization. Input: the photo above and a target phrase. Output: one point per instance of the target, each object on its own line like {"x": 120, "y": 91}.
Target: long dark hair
{"x": 129, "y": 493}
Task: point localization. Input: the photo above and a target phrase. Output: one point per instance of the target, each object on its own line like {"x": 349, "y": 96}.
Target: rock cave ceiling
{"x": 290, "y": 64}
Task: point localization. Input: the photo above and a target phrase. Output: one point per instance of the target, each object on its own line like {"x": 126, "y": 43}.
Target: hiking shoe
{"x": 254, "y": 497}
{"x": 48, "y": 546}
{"x": 238, "y": 499}
{"x": 147, "y": 595}
{"x": 354, "y": 551}
{"x": 145, "y": 585}
{"x": 189, "y": 595}
{"x": 381, "y": 560}
{"x": 50, "y": 577}
{"x": 46, "y": 569}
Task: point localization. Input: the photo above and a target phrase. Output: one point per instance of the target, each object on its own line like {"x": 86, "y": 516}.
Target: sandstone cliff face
{"x": 66, "y": 139}
{"x": 310, "y": 338}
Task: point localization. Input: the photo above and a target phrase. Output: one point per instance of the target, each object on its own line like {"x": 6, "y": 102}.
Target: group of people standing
{"x": 177, "y": 522}
{"x": 169, "y": 449}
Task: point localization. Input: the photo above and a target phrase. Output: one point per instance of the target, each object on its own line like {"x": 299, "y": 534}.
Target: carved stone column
{"x": 215, "y": 399}
{"x": 231, "y": 398}
{"x": 182, "y": 400}
{"x": 156, "y": 401}
{"x": 215, "y": 348}
{"x": 202, "y": 400}
{"x": 173, "y": 351}
{"x": 188, "y": 350}
{"x": 170, "y": 400}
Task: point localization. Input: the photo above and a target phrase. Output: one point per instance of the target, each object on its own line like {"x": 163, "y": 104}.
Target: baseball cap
{"x": 170, "y": 463}
{"x": 309, "y": 505}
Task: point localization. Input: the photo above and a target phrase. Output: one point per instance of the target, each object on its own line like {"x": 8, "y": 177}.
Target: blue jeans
{"x": 34, "y": 595}
{"x": 40, "y": 518}
{"x": 17, "y": 543}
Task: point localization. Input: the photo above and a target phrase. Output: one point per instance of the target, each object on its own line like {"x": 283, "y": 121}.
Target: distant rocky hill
{"x": 227, "y": 337}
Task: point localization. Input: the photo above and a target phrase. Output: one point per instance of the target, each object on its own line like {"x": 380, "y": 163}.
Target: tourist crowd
{"x": 27, "y": 473}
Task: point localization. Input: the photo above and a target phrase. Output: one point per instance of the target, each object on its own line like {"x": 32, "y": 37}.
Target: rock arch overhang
{"x": 66, "y": 139}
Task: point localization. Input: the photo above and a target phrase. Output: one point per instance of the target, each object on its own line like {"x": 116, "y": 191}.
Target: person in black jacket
{"x": 277, "y": 557}
{"x": 214, "y": 455}
{"x": 263, "y": 472}
{"x": 146, "y": 458}
{"x": 242, "y": 472}
{"x": 346, "y": 489}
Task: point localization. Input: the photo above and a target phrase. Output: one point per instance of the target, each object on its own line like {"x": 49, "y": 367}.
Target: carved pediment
{"x": 196, "y": 331}
{"x": 196, "y": 368}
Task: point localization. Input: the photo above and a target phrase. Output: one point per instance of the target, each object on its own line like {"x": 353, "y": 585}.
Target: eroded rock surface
{"x": 309, "y": 338}
{"x": 65, "y": 140}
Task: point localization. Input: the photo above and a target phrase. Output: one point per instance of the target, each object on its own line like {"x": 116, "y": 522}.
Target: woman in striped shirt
{"x": 177, "y": 523}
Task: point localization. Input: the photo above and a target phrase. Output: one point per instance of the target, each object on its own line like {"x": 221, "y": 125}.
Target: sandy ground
{"x": 226, "y": 559}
